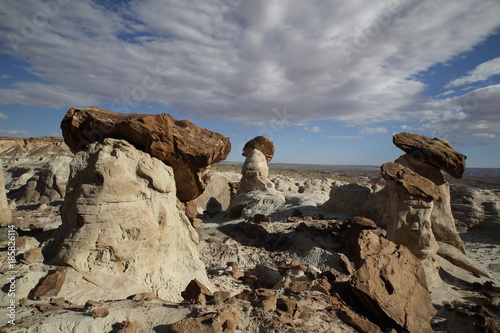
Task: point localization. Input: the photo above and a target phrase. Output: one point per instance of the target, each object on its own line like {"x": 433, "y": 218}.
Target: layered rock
{"x": 36, "y": 169}
{"x": 437, "y": 152}
{"x": 187, "y": 148}
{"x": 412, "y": 201}
{"x": 5, "y": 212}
{"x": 477, "y": 208}
{"x": 390, "y": 284}
{"x": 121, "y": 229}
{"x": 427, "y": 157}
{"x": 255, "y": 171}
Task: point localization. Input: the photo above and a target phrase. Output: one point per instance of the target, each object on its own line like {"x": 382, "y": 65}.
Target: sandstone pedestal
{"x": 121, "y": 229}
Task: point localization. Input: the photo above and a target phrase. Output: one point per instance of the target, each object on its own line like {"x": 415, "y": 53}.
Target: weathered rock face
{"x": 438, "y": 152}
{"x": 217, "y": 195}
{"x": 410, "y": 182}
{"x": 247, "y": 205}
{"x": 477, "y": 208}
{"x": 261, "y": 143}
{"x": 255, "y": 173}
{"x": 443, "y": 222}
{"x": 412, "y": 203}
{"x": 390, "y": 283}
{"x": 36, "y": 169}
{"x": 5, "y": 212}
{"x": 121, "y": 229}
{"x": 187, "y": 148}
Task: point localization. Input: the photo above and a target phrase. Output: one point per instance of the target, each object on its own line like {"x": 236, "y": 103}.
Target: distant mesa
{"x": 190, "y": 150}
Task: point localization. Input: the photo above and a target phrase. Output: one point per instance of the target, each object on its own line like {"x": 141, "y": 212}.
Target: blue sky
{"x": 329, "y": 82}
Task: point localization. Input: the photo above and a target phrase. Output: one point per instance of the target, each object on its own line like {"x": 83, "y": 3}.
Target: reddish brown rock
{"x": 390, "y": 283}
{"x": 438, "y": 152}
{"x": 261, "y": 143}
{"x": 196, "y": 292}
{"x": 187, "y": 148}
{"x": 51, "y": 285}
{"x": 224, "y": 321}
{"x": 127, "y": 326}
{"x": 412, "y": 182}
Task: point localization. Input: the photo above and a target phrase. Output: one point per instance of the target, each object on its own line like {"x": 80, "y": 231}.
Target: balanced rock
{"x": 437, "y": 151}
{"x": 412, "y": 201}
{"x": 443, "y": 222}
{"x": 121, "y": 229}
{"x": 187, "y": 148}
{"x": 255, "y": 171}
{"x": 261, "y": 143}
{"x": 5, "y": 212}
{"x": 390, "y": 284}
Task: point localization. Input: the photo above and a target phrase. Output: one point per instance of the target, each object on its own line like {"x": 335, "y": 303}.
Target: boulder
{"x": 437, "y": 152}
{"x": 187, "y": 148}
{"x": 412, "y": 201}
{"x": 5, "y": 212}
{"x": 121, "y": 229}
{"x": 261, "y": 143}
{"x": 247, "y": 205}
{"x": 255, "y": 173}
{"x": 217, "y": 195}
{"x": 389, "y": 282}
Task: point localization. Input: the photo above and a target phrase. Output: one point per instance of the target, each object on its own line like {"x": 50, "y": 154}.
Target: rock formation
{"x": 412, "y": 200}
{"x": 258, "y": 152}
{"x": 217, "y": 195}
{"x": 5, "y": 212}
{"x": 390, "y": 283}
{"x": 427, "y": 157}
{"x": 187, "y": 148}
{"x": 36, "y": 169}
{"x": 477, "y": 208}
{"x": 121, "y": 229}
{"x": 256, "y": 193}
{"x": 437, "y": 152}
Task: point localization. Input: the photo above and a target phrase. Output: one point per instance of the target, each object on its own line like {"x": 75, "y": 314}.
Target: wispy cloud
{"x": 15, "y": 133}
{"x": 5, "y": 76}
{"x": 3, "y": 116}
{"x": 315, "y": 129}
{"x": 344, "y": 61}
{"x": 481, "y": 73}
{"x": 345, "y": 137}
{"x": 373, "y": 130}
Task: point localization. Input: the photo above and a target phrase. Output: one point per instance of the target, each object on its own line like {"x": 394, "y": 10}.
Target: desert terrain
{"x": 294, "y": 265}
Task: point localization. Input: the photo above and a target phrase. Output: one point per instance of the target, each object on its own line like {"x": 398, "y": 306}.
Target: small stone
{"x": 126, "y": 326}
{"x": 261, "y": 218}
{"x": 143, "y": 297}
{"x": 46, "y": 307}
{"x": 33, "y": 256}
{"x": 51, "y": 285}
{"x": 197, "y": 223}
{"x": 92, "y": 304}
{"x": 196, "y": 292}
{"x": 221, "y": 296}
{"x": 297, "y": 287}
{"x": 99, "y": 313}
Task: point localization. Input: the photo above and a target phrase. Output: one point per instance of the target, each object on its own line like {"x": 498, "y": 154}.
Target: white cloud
{"x": 260, "y": 61}
{"x": 15, "y": 133}
{"x": 344, "y": 137}
{"x": 373, "y": 130}
{"x": 5, "y": 76}
{"x": 481, "y": 73}
{"x": 315, "y": 129}
{"x": 3, "y": 116}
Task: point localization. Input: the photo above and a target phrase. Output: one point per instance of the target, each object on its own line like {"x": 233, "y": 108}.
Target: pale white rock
{"x": 255, "y": 173}
{"x": 247, "y": 205}
{"x": 217, "y": 195}
{"x": 478, "y": 208}
{"x": 122, "y": 231}
{"x": 5, "y": 212}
